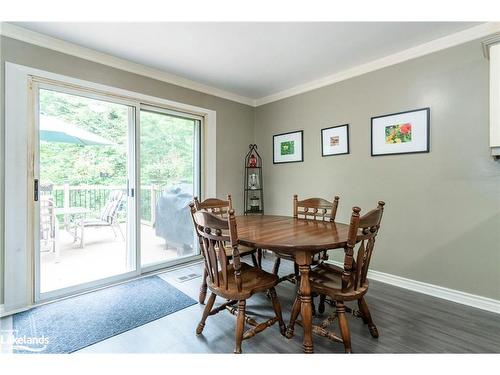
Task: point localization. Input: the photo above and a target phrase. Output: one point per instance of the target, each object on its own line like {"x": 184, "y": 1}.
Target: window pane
{"x": 169, "y": 161}
{"x": 83, "y": 177}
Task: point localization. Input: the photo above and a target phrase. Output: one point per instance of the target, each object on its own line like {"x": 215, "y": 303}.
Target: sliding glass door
{"x": 170, "y": 178}
{"x": 113, "y": 179}
{"x": 83, "y": 200}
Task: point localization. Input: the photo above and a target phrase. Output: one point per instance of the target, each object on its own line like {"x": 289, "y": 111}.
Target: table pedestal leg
{"x": 306, "y": 307}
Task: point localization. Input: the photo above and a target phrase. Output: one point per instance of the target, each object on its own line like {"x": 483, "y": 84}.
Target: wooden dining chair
{"x": 347, "y": 283}
{"x": 234, "y": 281}
{"x": 221, "y": 209}
{"x": 309, "y": 209}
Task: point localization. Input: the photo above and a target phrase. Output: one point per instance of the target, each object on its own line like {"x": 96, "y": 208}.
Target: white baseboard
{"x": 457, "y": 296}
{"x": 4, "y": 313}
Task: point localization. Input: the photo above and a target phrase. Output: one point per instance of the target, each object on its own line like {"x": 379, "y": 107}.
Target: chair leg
{"x": 240, "y": 326}
{"x": 206, "y": 312}
{"x": 296, "y": 270}
{"x": 344, "y": 327}
{"x": 254, "y": 261}
{"x": 277, "y": 310}
{"x": 82, "y": 236}
{"x": 57, "y": 248}
{"x": 321, "y": 307}
{"x": 113, "y": 229}
{"x": 259, "y": 257}
{"x": 75, "y": 232}
{"x": 367, "y": 317}
{"x": 293, "y": 317}
{"x": 276, "y": 266}
{"x": 121, "y": 232}
{"x": 203, "y": 287}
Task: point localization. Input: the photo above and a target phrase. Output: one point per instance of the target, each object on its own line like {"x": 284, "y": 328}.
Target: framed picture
{"x": 335, "y": 140}
{"x": 288, "y": 147}
{"x": 401, "y": 133}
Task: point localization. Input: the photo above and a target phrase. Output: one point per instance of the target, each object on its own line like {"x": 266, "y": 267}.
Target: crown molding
{"x": 28, "y": 36}
{"x": 488, "y": 42}
{"x": 473, "y": 33}
{"x": 32, "y": 37}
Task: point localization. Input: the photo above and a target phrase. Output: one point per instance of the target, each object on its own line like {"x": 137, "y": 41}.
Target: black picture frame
{"x": 302, "y": 147}
{"x": 428, "y": 125}
{"x": 348, "y": 141}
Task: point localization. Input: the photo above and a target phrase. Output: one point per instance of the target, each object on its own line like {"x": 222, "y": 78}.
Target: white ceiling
{"x": 256, "y": 59}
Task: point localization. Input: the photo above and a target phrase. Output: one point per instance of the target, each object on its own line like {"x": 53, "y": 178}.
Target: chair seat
{"x": 284, "y": 256}
{"x": 94, "y": 223}
{"x": 316, "y": 259}
{"x": 254, "y": 280}
{"x": 327, "y": 279}
{"x": 243, "y": 250}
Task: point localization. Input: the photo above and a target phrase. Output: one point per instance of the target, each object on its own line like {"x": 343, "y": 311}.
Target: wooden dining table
{"x": 298, "y": 237}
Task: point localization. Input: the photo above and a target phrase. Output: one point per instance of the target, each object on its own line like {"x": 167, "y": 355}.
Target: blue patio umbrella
{"x": 53, "y": 129}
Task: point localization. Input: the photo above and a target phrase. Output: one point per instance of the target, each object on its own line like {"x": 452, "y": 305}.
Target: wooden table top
{"x": 286, "y": 234}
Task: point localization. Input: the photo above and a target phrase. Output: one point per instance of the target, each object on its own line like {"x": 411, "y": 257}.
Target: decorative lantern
{"x": 252, "y": 161}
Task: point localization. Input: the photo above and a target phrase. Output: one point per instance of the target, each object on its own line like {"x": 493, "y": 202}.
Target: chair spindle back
{"x": 213, "y": 232}
{"x": 215, "y": 206}
{"x": 362, "y": 229}
{"x": 315, "y": 208}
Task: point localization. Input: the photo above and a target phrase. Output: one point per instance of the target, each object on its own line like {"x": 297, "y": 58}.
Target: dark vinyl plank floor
{"x": 408, "y": 322}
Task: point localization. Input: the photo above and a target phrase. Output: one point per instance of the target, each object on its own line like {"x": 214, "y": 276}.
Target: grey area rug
{"x": 72, "y": 324}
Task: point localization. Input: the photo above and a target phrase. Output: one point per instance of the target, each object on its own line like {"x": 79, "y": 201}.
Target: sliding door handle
{"x": 36, "y": 189}
{"x": 130, "y": 191}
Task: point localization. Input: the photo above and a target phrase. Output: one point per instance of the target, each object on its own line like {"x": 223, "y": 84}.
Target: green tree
{"x": 166, "y": 144}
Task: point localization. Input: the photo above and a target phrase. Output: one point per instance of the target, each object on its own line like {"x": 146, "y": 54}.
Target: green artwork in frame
{"x": 287, "y": 148}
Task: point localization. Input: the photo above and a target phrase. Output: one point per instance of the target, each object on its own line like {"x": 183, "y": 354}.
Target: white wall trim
{"x": 453, "y": 295}
{"x": 4, "y": 313}
{"x": 448, "y": 41}
{"x": 32, "y": 37}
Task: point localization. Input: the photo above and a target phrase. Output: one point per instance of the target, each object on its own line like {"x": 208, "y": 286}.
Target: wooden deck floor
{"x": 104, "y": 255}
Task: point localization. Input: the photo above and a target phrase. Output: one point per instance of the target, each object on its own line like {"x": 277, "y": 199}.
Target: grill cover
{"x": 173, "y": 219}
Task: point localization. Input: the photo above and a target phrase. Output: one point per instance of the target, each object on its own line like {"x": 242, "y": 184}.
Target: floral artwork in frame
{"x": 401, "y": 133}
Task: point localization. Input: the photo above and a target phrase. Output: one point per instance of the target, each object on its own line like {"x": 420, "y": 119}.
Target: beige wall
{"x": 442, "y": 219}
{"x": 234, "y": 121}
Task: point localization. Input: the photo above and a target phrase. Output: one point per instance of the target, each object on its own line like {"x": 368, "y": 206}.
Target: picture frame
{"x": 335, "y": 140}
{"x": 398, "y": 133}
{"x": 288, "y": 147}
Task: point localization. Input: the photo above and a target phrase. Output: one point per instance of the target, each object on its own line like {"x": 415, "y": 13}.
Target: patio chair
{"x": 108, "y": 217}
{"x": 48, "y": 224}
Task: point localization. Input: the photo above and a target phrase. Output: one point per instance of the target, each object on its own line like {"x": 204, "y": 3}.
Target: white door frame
{"x": 19, "y": 265}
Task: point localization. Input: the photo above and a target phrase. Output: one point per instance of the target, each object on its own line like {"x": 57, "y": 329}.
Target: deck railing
{"x": 94, "y": 197}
